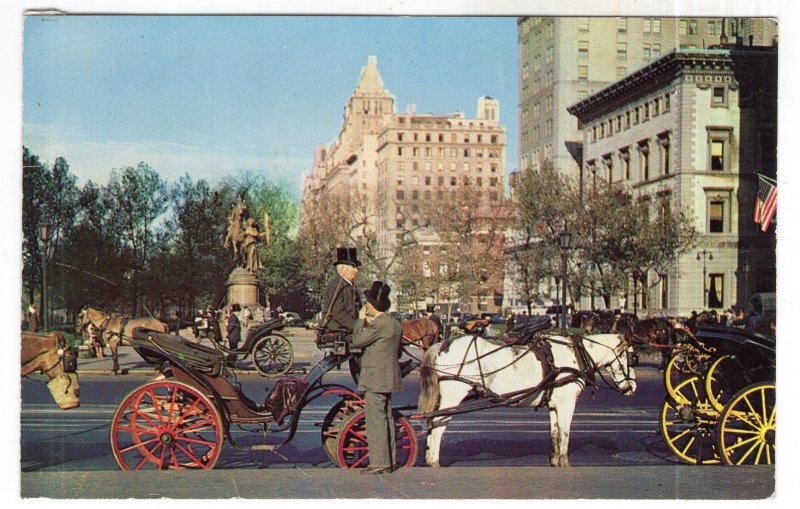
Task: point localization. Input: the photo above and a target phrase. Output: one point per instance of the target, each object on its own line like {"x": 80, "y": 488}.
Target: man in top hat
{"x": 340, "y": 300}
{"x": 378, "y": 334}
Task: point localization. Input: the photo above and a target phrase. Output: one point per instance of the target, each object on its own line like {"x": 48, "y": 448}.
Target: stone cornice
{"x": 680, "y": 64}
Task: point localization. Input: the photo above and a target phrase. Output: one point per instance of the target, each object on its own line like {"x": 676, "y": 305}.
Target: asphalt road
{"x": 608, "y": 429}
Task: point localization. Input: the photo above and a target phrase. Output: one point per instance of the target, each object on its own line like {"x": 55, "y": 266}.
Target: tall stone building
{"x": 565, "y": 59}
{"x": 399, "y": 167}
{"x": 690, "y": 131}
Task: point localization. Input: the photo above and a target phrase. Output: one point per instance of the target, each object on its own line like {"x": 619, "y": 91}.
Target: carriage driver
{"x": 340, "y": 301}
{"x": 378, "y": 334}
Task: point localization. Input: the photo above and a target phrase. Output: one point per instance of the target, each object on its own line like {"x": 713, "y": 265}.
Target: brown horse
{"x": 422, "y": 332}
{"x": 48, "y": 354}
{"x": 115, "y": 329}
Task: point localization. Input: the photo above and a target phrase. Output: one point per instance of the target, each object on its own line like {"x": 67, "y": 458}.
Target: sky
{"x": 209, "y": 95}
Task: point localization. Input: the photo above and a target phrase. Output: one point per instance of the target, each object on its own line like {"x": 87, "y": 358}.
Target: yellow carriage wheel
{"x": 746, "y": 429}
{"x": 687, "y": 423}
{"x": 676, "y": 372}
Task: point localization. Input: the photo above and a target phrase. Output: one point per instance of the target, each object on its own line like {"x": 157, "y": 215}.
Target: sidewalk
{"x": 304, "y": 350}
{"x": 612, "y": 482}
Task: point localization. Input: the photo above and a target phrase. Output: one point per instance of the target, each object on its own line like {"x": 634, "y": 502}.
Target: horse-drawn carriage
{"x": 182, "y": 419}
{"x": 271, "y": 353}
{"x": 720, "y": 402}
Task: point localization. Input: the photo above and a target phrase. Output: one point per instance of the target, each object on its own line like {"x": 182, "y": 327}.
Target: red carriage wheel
{"x": 341, "y": 411}
{"x": 352, "y": 445}
{"x": 166, "y": 425}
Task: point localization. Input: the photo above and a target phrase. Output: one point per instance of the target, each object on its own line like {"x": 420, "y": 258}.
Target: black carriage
{"x": 720, "y": 402}
{"x": 271, "y": 353}
{"x": 182, "y": 419}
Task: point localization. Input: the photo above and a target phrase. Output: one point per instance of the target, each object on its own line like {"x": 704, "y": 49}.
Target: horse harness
{"x": 552, "y": 377}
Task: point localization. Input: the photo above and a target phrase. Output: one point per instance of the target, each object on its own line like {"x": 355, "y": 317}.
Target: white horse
{"x": 514, "y": 371}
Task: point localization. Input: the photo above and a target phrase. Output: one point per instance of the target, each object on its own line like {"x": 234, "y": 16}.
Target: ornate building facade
{"x": 691, "y": 131}
{"x": 400, "y": 168}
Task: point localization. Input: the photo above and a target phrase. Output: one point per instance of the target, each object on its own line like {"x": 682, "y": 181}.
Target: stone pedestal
{"x": 242, "y": 288}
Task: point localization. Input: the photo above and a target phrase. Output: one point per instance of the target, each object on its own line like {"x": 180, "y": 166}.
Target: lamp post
{"x": 564, "y": 240}
{"x": 44, "y": 237}
{"x": 704, "y": 255}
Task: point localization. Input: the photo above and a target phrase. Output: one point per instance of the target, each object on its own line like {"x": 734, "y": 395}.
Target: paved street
{"x": 612, "y": 437}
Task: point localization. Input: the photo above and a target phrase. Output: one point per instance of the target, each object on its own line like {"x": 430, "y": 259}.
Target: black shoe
{"x": 377, "y": 470}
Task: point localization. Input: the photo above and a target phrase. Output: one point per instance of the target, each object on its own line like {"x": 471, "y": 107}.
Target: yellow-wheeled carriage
{"x": 720, "y": 402}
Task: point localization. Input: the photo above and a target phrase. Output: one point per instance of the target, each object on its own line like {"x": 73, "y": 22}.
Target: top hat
{"x": 378, "y": 295}
{"x": 347, "y": 255}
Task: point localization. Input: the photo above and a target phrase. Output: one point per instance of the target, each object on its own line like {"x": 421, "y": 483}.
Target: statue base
{"x": 242, "y": 288}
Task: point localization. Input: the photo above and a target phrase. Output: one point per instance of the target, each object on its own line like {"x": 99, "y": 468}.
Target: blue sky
{"x": 209, "y": 95}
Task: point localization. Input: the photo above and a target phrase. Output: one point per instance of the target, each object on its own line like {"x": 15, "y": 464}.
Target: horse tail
{"x": 429, "y": 382}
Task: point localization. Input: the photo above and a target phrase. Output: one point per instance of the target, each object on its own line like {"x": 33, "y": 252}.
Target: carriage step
{"x": 264, "y": 447}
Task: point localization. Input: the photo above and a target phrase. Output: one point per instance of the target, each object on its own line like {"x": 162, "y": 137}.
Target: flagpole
{"x": 771, "y": 181}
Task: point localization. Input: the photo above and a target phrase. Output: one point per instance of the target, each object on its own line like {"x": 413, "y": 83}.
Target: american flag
{"x": 766, "y": 203}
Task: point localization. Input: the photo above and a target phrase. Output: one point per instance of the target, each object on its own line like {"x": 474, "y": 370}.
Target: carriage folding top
{"x": 152, "y": 346}
{"x": 753, "y": 348}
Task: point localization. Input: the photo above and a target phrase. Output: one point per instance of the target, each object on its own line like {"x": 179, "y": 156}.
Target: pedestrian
{"x": 341, "y": 301}
{"x": 233, "y": 328}
{"x": 33, "y": 318}
{"x": 378, "y": 335}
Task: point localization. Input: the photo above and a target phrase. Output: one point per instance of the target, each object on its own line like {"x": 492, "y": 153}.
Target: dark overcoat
{"x": 344, "y": 310}
{"x": 380, "y": 341}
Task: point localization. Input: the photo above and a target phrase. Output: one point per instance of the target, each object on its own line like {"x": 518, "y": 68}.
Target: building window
{"x": 646, "y": 52}
{"x": 656, "y": 107}
{"x": 583, "y": 24}
{"x": 719, "y": 97}
{"x": 716, "y": 290}
{"x": 399, "y": 151}
{"x": 400, "y": 194}
{"x": 621, "y": 72}
{"x": 716, "y": 216}
{"x": 622, "y": 51}
{"x": 452, "y": 181}
{"x": 666, "y": 103}
{"x": 452, "y": 166}
{"x": 644, "y": 159}
{"x": 622, "y": 25}
{"x": 656, "y": 50}
{"x": 647, "y": 25}
{"x": 399, "y": 136}
{"x": 656, "y": 25}
{"x": 401, "y": 165}
{"x": 664, "y": 291}
{"x": 645, "y": 112}
{"x": 718, "y": 149}
{"x": 440, "y": 180}
{"x": 428, "y": 137}
{"x": 583, "y": 49}
{"x": 713, "y": 28}
{"x": 427, "y": 181}
{"x": 625, "y": 159}
{"x": 663, "y": 140}
{"x": 608, "y": 162}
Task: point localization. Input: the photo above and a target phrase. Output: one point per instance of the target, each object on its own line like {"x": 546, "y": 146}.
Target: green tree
{"x": 134, "y": 202}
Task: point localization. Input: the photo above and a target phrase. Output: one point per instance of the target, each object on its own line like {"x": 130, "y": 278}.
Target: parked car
{"x": 494, "y": 318}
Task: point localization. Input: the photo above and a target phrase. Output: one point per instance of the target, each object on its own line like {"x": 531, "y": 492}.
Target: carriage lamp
{"x": 564, "y": 240}
{"x": 44, "y": 237}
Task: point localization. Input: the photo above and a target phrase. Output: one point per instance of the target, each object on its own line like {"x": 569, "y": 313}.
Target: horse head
{"x": 614, "y": 355}
{"x": 53, "y": 356}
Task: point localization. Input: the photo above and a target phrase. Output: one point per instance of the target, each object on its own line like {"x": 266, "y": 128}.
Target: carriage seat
{"x": 264, "y": 328}
{"x": 200, "y": 357}
{"x": 531, "y": 326}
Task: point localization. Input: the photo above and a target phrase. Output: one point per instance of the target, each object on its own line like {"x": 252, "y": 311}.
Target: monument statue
{"x": 243, "y": 236}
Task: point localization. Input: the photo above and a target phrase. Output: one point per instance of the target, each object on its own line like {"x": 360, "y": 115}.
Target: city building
{"x": 566, "y": 59}
{"x": 691, "y": 131}
{"x": 399, "y": 168}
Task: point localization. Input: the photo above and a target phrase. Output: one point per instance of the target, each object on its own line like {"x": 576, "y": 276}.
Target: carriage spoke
{"x": 196, "y": 441}
{"x": 137, "y": 446}
{"x": 190, "y": 455}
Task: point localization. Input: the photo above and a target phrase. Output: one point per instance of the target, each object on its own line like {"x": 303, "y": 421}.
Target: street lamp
{"x": 564, "y": 240}
{"x": 704, "y": 255}
{"x": 44, "y": 237}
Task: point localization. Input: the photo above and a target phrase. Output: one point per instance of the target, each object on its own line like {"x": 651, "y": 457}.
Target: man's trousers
{"x": 380, "y": 428}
